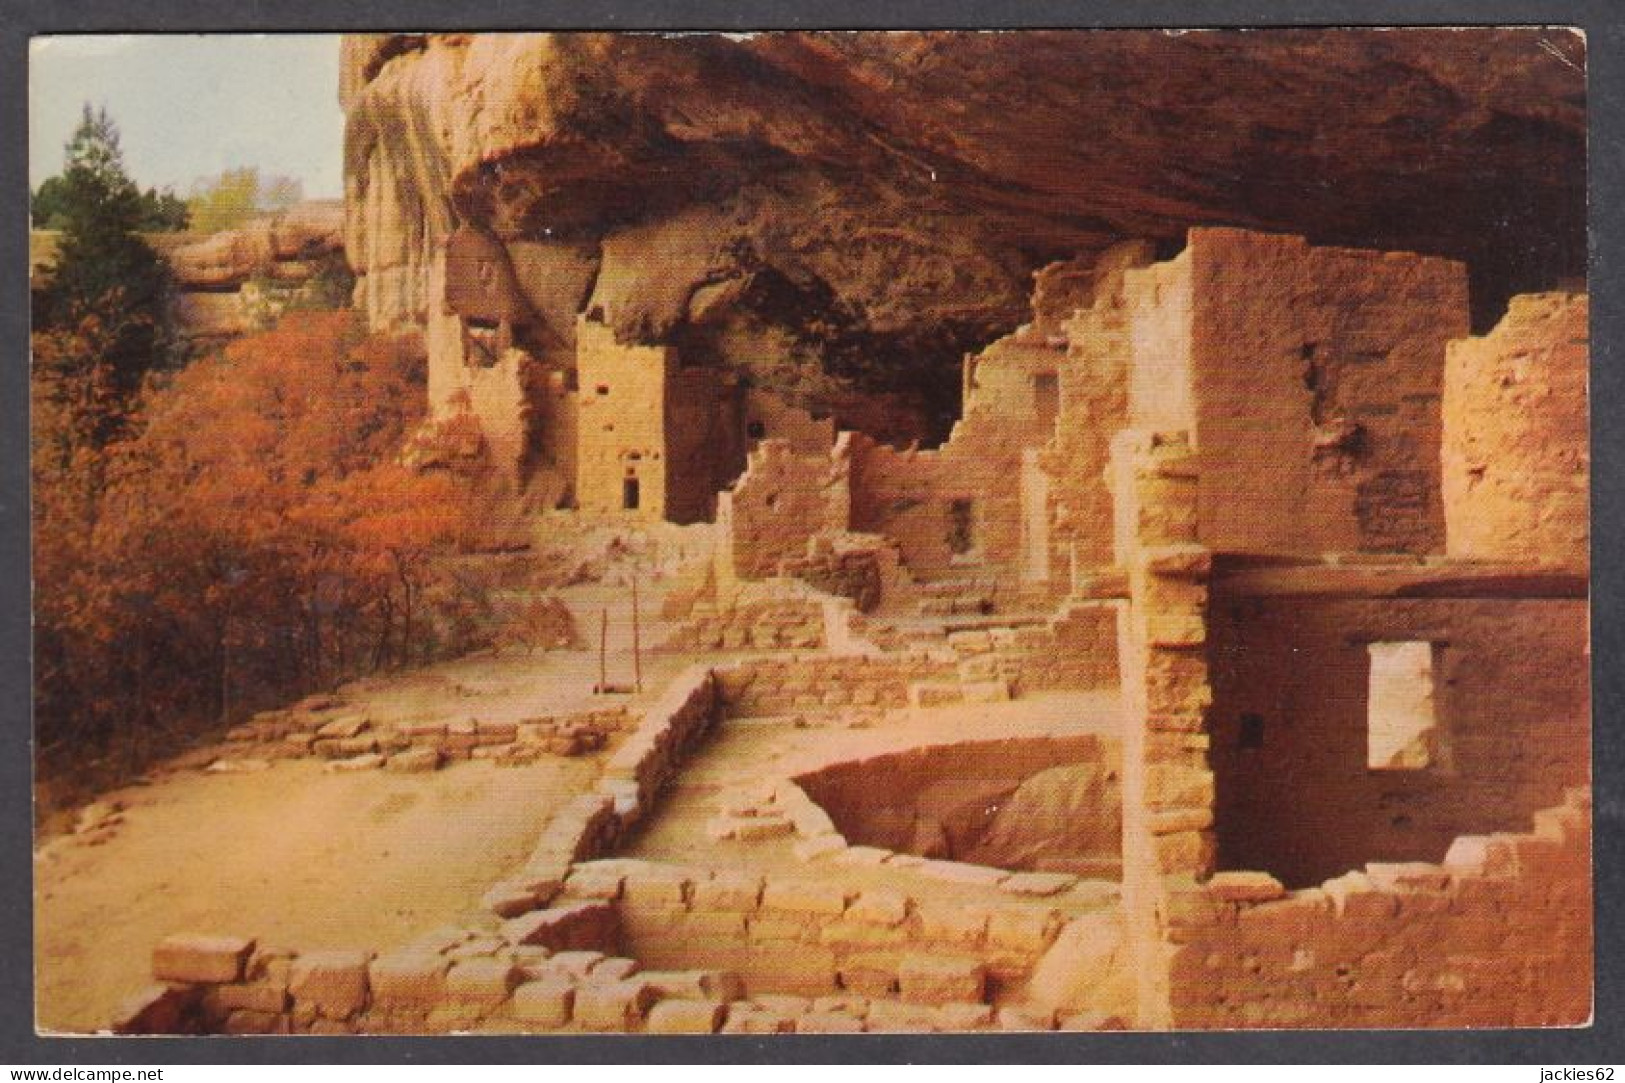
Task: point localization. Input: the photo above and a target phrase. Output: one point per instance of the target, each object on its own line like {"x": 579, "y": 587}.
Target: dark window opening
{"x": 483, "y": 342}
{"x": 961, "y": 527}
{"x": 756, "y": 430}
{"x": 629, "y": 494}
{"x": 1047, "y": 394}
{"x": 1251, "y": 734}
{"x": 602, "y": 389}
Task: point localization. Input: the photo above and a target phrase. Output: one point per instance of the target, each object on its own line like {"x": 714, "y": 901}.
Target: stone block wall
{"x": 1497, "y": 934}
{"x": 769, "y": 615}
{"x": 1093, "y": 407}
{"x": 1075, "y": 649}
{"x": 815, "y": 932}
{"x": 772, "y": 686}
{"x": 777, "y": 506}
{"x": 1310, "y": 379}
{"x": 861, "y": 567}
{"x": 1517, "y": 459}
{"x": 1510, "y": 699}
{"x": 621, "y": 421}
{"x": 354, "y": 741}
{"x": 494, "y": 394}
{"x": 962, "y": 504}
{"x": 1167, "y": 783}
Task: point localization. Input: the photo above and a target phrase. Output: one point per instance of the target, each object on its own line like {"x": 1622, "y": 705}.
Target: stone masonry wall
{"x": 961, "y": 504}
{"x": 621, "y": 421}
{"x": 769, "y": 615}
{"x": 775, "y": 686}
{"x": 1517, "y": 460}
{"x": 816, "y": 932}
{"x": 1499, "y": 934}
{"x": 1167, "y": 784}
{"x": 777, "y": 506}
{"x": 493, "y": 394}
{"x": 1310, "y": 379}
{"x": 862, "y": 567}
{"x": 1510, "y": 698}
{"x": 1075, "y": 649}
{"x": 1093, "y": 407}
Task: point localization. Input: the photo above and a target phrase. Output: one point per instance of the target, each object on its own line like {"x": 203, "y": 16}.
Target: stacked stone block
{"x": 1497, "y": 934}
{"x": 817, "y": 933}
{"x": 774, "y": 686}
{"x": 1167, "y": 784}
{"x": 1517, "y": 458}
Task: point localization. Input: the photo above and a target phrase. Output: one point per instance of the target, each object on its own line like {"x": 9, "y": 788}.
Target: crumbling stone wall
{"x": 861, "y": 567}
{"x": 489, "y": 389}
{"x": 961, "y": 505}
{"x": 769, "y": 615}
{"x": 1075, "y": 649}
{"x": 778, "y": 505}
{"x": 818, "y": 932}
{"x": 1498, "y": 934}
{"x": 1510, "y": 694}
{"x": 1076, "y": 529}
{"x": 1517, "y": 460}
{"x": 1310, "y": 379}
{"x": 776, "y": 686}
{"x": 1204, "y": 761}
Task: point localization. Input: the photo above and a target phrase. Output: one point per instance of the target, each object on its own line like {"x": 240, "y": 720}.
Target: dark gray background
{"x": 1601, "y": 19}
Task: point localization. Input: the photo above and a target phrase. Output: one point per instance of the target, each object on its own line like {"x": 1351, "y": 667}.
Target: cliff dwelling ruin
{"x": 1196, "y": 637}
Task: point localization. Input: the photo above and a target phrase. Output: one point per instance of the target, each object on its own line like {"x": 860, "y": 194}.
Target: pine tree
{"x": 108, "y": 291}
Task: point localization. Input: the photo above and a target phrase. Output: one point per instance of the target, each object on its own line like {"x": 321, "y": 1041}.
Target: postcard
{"x": 810, "y": 532}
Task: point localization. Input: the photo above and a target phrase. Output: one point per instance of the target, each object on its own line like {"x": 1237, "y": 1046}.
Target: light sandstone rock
{"x": 334, "y": 983}
{"x": 193, "y": 957}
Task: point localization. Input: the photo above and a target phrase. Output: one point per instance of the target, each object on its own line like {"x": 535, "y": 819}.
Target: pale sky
{"x": 192, "y": 105}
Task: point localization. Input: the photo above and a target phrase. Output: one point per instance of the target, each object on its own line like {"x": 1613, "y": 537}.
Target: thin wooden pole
{"x": 603, "y": 647}
{"x": 637, "y": 659}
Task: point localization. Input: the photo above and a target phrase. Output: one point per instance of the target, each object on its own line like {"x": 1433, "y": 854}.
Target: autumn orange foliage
{"x": 254, "y": 538}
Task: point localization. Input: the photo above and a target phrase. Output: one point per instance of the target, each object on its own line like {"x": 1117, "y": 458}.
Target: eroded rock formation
{"x": 874, "y": 204}
{"x": 230, "y": 282}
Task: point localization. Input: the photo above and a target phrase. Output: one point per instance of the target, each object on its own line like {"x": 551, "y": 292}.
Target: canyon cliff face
{"x": 863, "y": 208}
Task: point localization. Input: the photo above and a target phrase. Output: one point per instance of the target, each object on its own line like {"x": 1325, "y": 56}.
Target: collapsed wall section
{"x": 1498, "y": 934}
{"x": 1517, "y": 464}
{"x": 621, "y": 409}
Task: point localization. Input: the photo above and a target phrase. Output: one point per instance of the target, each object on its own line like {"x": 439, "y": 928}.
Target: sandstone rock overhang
{"x": 917, "y": 178}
